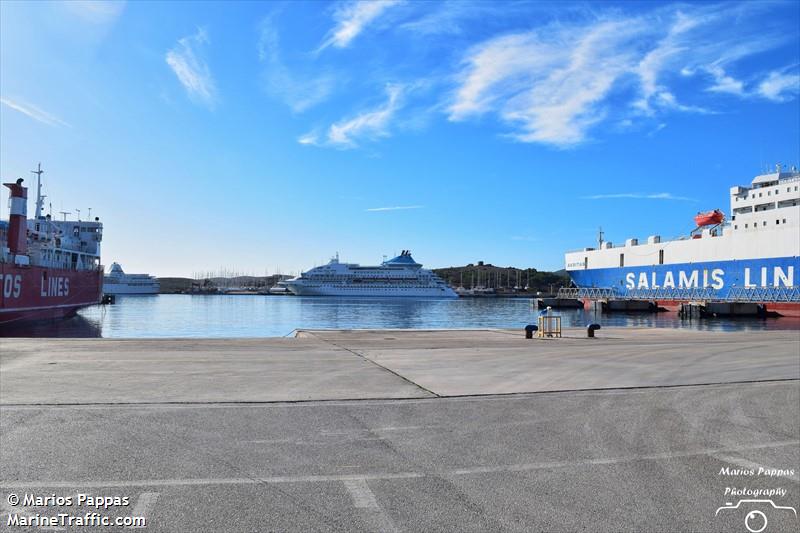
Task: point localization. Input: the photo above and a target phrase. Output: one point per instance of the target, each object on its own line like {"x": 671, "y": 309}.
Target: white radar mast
{"x": 39, "y": 197}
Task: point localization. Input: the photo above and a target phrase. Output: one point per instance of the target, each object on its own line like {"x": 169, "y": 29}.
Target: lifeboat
{"x": 710, "y": 218}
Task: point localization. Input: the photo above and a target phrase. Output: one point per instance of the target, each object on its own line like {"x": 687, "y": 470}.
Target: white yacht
{"x": 118, "y": 282}
{"x": 401, "y": 276}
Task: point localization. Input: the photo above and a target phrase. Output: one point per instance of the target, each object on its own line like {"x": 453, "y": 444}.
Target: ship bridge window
{"x": 622, "y": 260}
{"x": 787, "y": 203}
{"x": 765, "y": 207}
{"x": 740, "y": 210}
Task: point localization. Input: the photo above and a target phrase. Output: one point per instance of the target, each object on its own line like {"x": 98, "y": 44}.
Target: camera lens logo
{"x": 755, "y": 522}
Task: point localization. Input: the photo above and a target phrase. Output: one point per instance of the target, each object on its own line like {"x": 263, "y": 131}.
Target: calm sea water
{"x": 275, "y": 316}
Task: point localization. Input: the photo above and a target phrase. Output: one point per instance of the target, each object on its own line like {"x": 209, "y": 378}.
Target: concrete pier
{"x": 396, "y": 430}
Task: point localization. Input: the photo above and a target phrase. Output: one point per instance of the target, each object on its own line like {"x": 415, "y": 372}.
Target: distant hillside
{"x": 179, "y": 285}
{"x": 503, "y": 278}
{"x": 174, "y": 285}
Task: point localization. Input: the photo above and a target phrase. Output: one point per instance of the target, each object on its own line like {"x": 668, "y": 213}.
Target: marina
{"x": 229, "y": 315}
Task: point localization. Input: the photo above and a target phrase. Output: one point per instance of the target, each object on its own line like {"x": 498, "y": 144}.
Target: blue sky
{"x": 265, "y": 136}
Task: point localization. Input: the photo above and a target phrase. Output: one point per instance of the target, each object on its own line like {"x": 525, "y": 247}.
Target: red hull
{"x": 37, "y": 293}
{"x": 787, "y": 309}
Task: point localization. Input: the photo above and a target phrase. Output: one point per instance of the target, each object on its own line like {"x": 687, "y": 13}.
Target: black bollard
{"x": 529, "y": 329}
{"x": 590, "y": 329}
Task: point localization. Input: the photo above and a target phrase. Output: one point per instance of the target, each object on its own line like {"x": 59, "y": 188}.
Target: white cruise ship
{"x": 401, "y": 276}
{"x": 118, "y": 282}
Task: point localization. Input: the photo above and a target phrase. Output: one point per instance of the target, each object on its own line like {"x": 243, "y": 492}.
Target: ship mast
{"x": 39, "y": 197}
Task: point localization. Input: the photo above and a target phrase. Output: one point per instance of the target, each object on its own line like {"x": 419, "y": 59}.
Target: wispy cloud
{"x": 640, "y": 196}
{"x": 780, "y": 86}
{"x": 96, "y": 11}
{"x": 554, "y": 83}
{"x": 655, "y": 130}
{"x": 395, "y": 208}
{"x": 300, "y": 91}
{"x": 187, "y": 61}
{"x": 371, "y": 124}
{"x": 351, "y": 19}
{"x": 34, "y": 112}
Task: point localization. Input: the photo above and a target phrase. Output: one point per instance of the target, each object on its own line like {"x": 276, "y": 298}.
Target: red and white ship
{"x": 48, "y": 268}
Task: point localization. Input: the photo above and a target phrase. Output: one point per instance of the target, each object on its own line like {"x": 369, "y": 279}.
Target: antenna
{"x": 65, "y": 213}
{"x": 79, "y": 214}
{"x": 600, "y": 237}
{"x": 39, "y": 197}
{"x": 90, "y": 213}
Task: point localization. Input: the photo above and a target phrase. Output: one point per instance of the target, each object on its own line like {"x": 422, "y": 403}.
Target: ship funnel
{"x": 18, "y": 218}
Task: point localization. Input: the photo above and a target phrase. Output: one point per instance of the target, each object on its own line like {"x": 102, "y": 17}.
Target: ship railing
{"x": 702, "y": 294}
{"x": 764, "y": 294}
{"x": 591, "y": 293}
{"x": 681, "y": 293}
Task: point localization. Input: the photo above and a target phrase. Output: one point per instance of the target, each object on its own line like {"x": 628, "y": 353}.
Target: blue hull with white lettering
{"x": 717, "y": 279}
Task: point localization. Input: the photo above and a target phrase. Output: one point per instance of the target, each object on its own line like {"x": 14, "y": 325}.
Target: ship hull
{"x": 122, "y": 288}
{"x": 358, "y": 292}
{"x": 772, "y": 282}
{"x": 719, "y": 278}
{"x": 32, "y": 293}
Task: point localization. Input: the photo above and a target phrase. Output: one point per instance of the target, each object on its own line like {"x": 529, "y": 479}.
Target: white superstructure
{"x": 757, "y": 247}
{"x": 401, "y": 276}
{"x": 764, "y": 223}
{"x": 118, "y": 282}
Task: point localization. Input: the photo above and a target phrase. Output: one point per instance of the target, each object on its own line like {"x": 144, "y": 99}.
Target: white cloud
{"x": 351, "y": 19}
{"x": 187, "y": 61}
{"x": 780, "y": 86}
{"x": 310, "y": 138}
{"x": 299, "y": 91}
{"x": 395, "y": 208}
{"x": 655, "y": 130}
{"x": 640, "y": 196}
{"x": 724, "y": 83}
{"x": 366, "y": 125}
{"x": 549, "y": 82}
{"x": 34, "y": 112}
{"x": 94, "y": 11}
{"x": 554, "y": 83}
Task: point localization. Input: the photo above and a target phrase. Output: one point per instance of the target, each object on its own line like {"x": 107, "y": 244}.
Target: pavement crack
{"x": 365, "y": 358}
